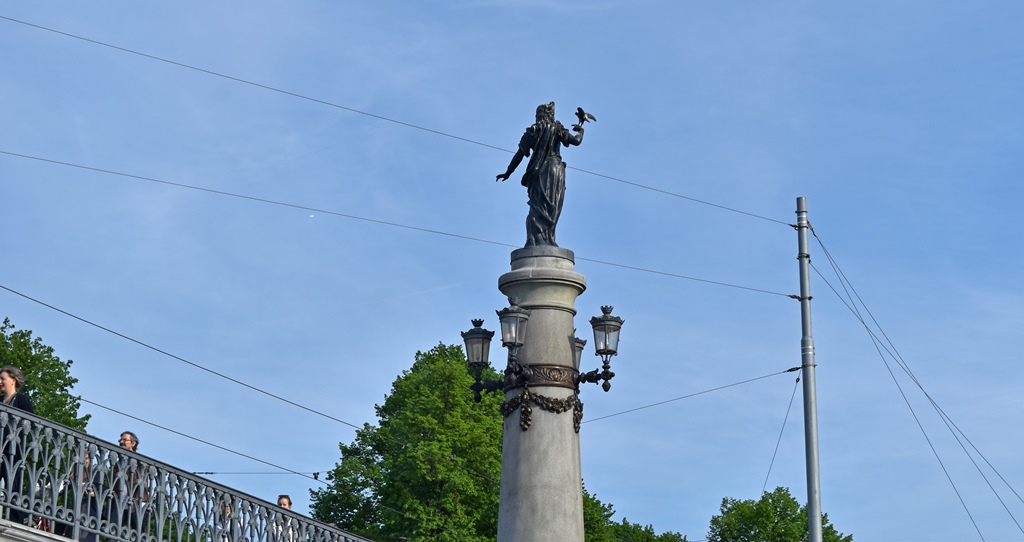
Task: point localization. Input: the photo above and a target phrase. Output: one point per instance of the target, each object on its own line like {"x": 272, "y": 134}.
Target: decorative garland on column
{"x": 557, "y": 406}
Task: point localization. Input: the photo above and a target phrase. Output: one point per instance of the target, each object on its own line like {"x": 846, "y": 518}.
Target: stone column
{"x": 541, "y": 495}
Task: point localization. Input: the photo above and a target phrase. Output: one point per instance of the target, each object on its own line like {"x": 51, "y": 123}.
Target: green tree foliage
{"x": 776, "y": 517}
{"x": 48, "y": 378}
{"x": 599, "y": 527}
{"x": 597, "y": 519}
{"x": 429, "y": 470}
{"x": 634, "y": 532}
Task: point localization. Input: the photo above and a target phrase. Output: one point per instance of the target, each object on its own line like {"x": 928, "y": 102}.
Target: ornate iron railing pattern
{"x": 84, "y": 488}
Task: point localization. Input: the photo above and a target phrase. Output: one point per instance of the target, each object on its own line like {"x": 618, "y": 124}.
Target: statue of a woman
{"x": 544, "y": 178}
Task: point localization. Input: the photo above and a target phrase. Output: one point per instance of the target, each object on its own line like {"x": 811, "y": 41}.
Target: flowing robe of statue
{"x": 544, "y": 178}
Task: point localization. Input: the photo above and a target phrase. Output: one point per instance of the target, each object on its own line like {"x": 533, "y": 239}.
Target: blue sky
{"x": 898, "y": 121}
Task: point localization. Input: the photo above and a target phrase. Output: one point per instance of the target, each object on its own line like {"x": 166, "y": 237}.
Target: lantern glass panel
{"x": 577, "y": 354}
{"x": 510, "y": 331}
{"x": 600, "y": 339}
{"x": 612, "y": 338}
{"x": 477, "y": 350}
{"x": 507, "y": 330}
{"x": 606, "y": 338}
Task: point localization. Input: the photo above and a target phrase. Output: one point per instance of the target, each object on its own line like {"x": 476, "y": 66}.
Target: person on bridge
{"x": 11, "y": 382}
{"x": 283, "y": 530}
{"x": 90, "y": 485}
{"x": 131, "y": 483}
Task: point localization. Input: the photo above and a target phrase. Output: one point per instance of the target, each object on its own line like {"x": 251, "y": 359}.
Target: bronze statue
{"x": 544, "y": 178}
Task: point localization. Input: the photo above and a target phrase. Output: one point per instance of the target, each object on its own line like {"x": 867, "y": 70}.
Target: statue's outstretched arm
{"x": 578, "y": 137}
{"x": 512, "y": 166}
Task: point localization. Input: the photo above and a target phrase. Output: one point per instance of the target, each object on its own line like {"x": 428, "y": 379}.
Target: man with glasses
{"x": 129, "y": 441}
{"x": 131, "y": 484}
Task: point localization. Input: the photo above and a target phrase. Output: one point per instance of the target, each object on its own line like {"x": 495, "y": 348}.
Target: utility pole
{"x": 807, "y": 364}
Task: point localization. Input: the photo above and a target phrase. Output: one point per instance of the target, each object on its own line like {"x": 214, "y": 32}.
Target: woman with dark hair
{"x": 282, "y": 530}
{"x": 11, "y": 381}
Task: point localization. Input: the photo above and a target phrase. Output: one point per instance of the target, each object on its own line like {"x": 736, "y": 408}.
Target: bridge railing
{"x": 84, "y": 488}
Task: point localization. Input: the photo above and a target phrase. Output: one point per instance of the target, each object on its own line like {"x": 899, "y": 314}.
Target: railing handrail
{"x": 90, "y": 487}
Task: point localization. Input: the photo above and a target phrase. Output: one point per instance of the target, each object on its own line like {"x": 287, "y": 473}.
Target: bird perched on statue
{"x": 584, "y": 117}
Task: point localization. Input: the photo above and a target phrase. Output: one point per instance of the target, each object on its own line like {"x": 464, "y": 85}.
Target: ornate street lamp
{"x": 606, "y": 342}
{"x": 478, "y": 343}
{"x": 478, "y": 347}
{"x": 513, "y": 326}
{"x": 577, "y": 354}
{"x": 513, "y": 336}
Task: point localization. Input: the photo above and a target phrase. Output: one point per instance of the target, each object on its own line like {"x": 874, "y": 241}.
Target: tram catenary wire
{"x": 374, "y": 115}
{"x": 888, "y": 348}
{"x": 219, "y": 447}
{"x": 372, "y": 220}
{"x": 328, "y": 416}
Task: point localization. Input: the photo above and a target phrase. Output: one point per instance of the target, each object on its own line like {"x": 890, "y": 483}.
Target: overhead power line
{"x": 371, "y": 220}
{"x": 913, "y": 413}
{"x": 328, "y": 416}
{"x": 253, "y": 83}
{"x": 781, "y": 431}
{"x": 253, "y": 198}
{"x": 221, "y": 375}
{"x": 372, "y": 115}
{"x": 314, "y": 474}
{"x": 680, "y": 196}
{"x": 853, "y": 301}
{"x": 692, "y": 395}
{"x": 199, "y": 440}
{"x": 181, "y": 359}
{"x": 286, "y": 470}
